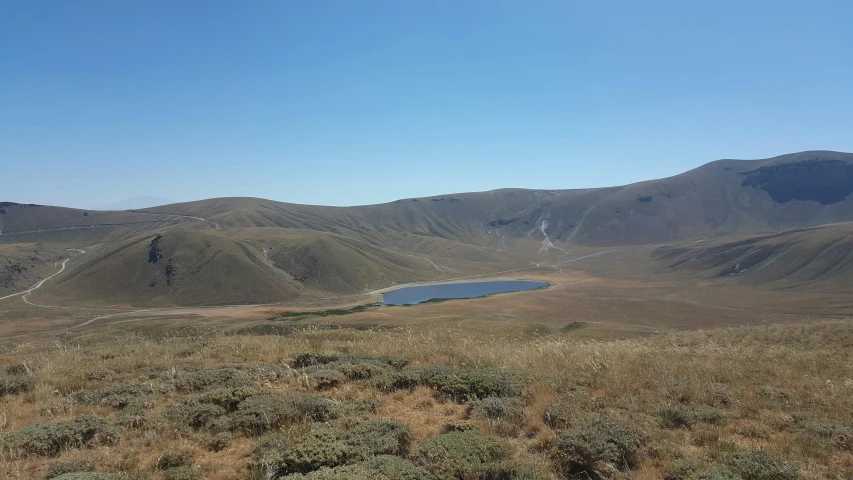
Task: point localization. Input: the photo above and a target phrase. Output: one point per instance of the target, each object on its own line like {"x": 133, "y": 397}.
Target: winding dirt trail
{"x": 42, "y": 281}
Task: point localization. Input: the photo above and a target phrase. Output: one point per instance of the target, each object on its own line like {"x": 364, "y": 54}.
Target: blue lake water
{"x": 414, "y": 295}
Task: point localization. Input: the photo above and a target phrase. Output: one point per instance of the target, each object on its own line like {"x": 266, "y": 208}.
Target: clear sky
{"x": 360, "y": 101}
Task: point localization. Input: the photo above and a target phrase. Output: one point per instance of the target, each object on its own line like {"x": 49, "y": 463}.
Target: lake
{"x": 418, "y": 294}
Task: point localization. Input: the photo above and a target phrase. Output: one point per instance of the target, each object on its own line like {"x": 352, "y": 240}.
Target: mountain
{"x": 136, "y": 203}
{"x": 719, "y": 198}
{"x": 251, "y": 250}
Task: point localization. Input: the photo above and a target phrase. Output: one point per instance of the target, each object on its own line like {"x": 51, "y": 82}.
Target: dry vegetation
{"x": 748, "y": 403}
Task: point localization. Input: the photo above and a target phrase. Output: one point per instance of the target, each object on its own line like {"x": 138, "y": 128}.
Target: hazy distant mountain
{"x": 133, "y": 203}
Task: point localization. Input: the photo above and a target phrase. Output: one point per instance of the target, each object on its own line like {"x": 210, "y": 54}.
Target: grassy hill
{"x": 251, "y": 250}
{"x": 816, "y": 258}
{"x": 722, "y": 197}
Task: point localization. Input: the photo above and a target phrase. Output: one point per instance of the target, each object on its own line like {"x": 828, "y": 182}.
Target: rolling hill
{"x": 251, "y": 250}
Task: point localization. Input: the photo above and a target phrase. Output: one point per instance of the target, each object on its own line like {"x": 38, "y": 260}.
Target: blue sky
{"x": 357, "y": 102}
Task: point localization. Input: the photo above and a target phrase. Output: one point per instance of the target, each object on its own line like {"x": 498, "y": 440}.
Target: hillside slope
{"x": 719, "y": 198}
{"x": 180, "y": 266}
{"x": 818, "y": 258}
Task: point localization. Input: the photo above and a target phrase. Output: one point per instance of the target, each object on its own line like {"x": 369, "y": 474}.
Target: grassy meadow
{"x": 439, "y": 402}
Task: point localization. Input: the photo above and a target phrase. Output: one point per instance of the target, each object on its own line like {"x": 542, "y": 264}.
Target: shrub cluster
{"x": 49, "y": 439}
{"x": 249, "y": 410}
{"x": 458, "y": 385}
{"x": 56, "y": 469}
{"x": 839, "y": 436}
{"x": 383, "y": 467}
{"x": 464, "y": 455}
{"x": 682, "y": 417}
{"x": 328, "y": 447}
{"x": 14, "y": 384}
{"x": 598, "y": 444}
{"x": 116, "y": 396}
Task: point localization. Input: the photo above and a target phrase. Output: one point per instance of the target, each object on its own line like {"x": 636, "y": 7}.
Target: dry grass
{"x": 766, "y": 381}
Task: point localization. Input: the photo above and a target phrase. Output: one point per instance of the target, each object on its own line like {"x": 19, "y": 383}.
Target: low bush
{"x": 313, "y": 359}
{"x": 676, "y": 417}
{"x": 194, "y": 415}
{"x": 458, "y": 426}
{"x": 220, "y": 442}
{"x": 56, "y": 469}
{"x": 761, "y": 465}
{"x": 463, "y": 385}
{"x": 99, "y": 476}
{"x": 682, "y": 417}
{"x": 684, "y": 468}
{"x": 559, "y": 415}
{"x": 380, "y": 437}
{"x": 132, "y": 417}
{"x": 49, "y": 439}
{"x": 101, "y": 374}
{"x": 495, "y": 408}
{"x": 230, "y": 398}
{"x": 598, "y": 444}
{"x": 181, "y": 473}
{"x": 116, "y": 396}
{"x": 256, "y": 415}
{"x": 173, "y": 459}
{"x": 14, "y": 384}
{"x": 321, "y": 447}
{"x": 840, "y": 436}
{"x": 326, "y": 379}
{"x": 383, "y": 467}
{"x": 463, "y": 455}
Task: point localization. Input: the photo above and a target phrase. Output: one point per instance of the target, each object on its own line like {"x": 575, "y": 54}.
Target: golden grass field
{"x": 705, "y": 373}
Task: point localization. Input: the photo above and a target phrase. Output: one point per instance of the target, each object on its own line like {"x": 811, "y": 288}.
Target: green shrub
{"x": 49, "y": 439}
{"x": 402, "y": 380}
{"x": 760, "y": 465}
{"x": 219, "y": 442}
{"x": 711, "y": 416}
{"x": 99, "y": 476}
{"x": 383, "y": 467}
{"x": 359, "y": 370}
{"x": 230, "y": 398}
{"x": 676, "y": 417}
{"x": 132, "y": 417}
{"x": 462, "y": 454}
{"x": 495, "y": 408}
{"x": 13, "y": 384}
{"x": 321, "y": 447}
{"x": 326, "y": 379}
{"x": 597, "y": 444}
{"x": 381, "y": 437}
{"x": 684, "y": 468}
{"x": 719, "y": 473}
{"x": 313, "y": 359}
{"x": 116, "y": 396}
{"x": 256, "y": 415}
{"x": 101, "y": 374}
{"x": 682, "y": 417}
{"x": 839, "y": 436}
{"x": 458, "y": 426}
{"x": 559, "y": 415}
{"x": 179, "y": 458}
{"x": 471, "y": 384}
{"x": 56, "y": 469}
{"x": 194, "y": 415}
{"x": 181, "y": 473}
